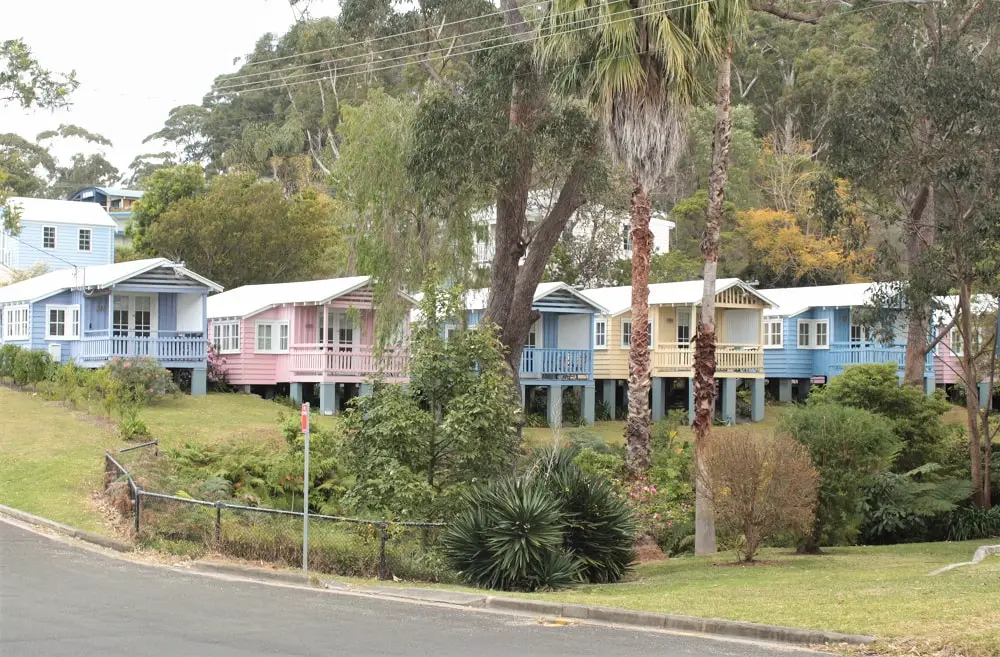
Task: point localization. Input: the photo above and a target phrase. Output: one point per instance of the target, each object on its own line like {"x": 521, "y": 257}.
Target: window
{"x": 16, "y": 321}
{"x": 450, "y": 331}
{"x": 627, "y": 238}
{"x": 271, "y": 337}
{"x": 683, "y": 327}
{"x": 773, "y": 334}
{"x": 814, "y": 334}
{"x": 600, "y": 334}
{"x": 85, "y": 239}
{"x": 226, "y": 337}
{"x": 62, "y": 322}
{"x": 859, "y": 335}
{"x": 48, "y": 237}
{"x": 627, "y": 333}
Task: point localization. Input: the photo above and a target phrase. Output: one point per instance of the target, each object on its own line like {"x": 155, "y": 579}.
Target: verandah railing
{"x": 540, "y": 363}
{"x": 168, "y": 347}
{"x": 350, "y": 360}
{"x": 729, "y": 357}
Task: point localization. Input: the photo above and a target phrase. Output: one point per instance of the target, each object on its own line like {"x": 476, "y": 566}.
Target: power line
{"x": 448, "y": 50}
{"x": 448, "y": 53}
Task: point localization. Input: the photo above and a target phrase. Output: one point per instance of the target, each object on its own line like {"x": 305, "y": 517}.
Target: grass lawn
{"x": 883, "y": 591}
{"x": 613, "y": 432}
{"x": 51, "y": 457}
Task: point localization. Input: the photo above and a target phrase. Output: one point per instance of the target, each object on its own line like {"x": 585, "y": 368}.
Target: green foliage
{"x": 164, "y": 187}
{"x": 140, "y": 379}
{"x": 510, "y": 537}
{"x": 906, "y": 507}
{"x": 915, "y": 417}
{"x": 31, "y": 367}
{"x": 8, "y": 355}
{"x": 414, "y": 449}
{"x": 600, "y": 465}
{"x": 974, "y": 523}
{"x": 602, "y": 411}
{"x": 241, "y": 231}
{"x": 24, "y": 81}
{"x": 583, "y": 439}
{"x": 599, "y": 530}
{"x": 131, "y": 426}
{"x": 849, "y": 447}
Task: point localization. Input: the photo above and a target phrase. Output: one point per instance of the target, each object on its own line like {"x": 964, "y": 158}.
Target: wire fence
{"x": 337, "y": 544}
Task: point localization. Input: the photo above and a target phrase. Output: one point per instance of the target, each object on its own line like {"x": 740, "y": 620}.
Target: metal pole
{"x": 305, "y": 491}
{"x": 383, "y": 563}
{"x": 138, "y": 496}
{"x": 218, "y": 522}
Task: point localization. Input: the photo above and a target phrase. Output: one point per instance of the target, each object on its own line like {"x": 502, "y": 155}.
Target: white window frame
{"x": 627, "y": 345}
{"x": 55, "y": 241}
{"x": 450, "y": 330}
{"x": 90, "y": 240}
{"x": 769, "y": 333}
{"x": 601, "y": 337}
{"x": 71, "y": 322}
{"x": 812, "y": 333}
{"x": 275, "y": 338}
{"x": 17, "y": 321}
{"x": 226, "y": 336}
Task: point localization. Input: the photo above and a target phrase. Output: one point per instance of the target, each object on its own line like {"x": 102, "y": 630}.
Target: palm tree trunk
{"x": 638, "y": 427}
{"x": 704, "y": 356}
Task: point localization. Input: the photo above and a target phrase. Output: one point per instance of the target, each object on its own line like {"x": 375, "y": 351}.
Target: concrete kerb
{"x": 608, "y": 615}
{"x": 65, "y": 530}
{"x": 981, "y": 553}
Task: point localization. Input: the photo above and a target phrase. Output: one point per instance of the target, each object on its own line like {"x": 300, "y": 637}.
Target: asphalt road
{"x": 57, "y": 599}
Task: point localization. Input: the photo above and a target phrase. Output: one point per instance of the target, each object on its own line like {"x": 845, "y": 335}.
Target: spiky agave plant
{"x": 510, "y": 537}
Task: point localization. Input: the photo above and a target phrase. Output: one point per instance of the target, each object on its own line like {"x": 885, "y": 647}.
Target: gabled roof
{"x": 253, "y": 299}
{"x": 49, "y": 211}
{"x": 618, "y": 300}
{"x": 791, "y": 301}
{"x": 91, "y": 278}
{"x": 477, "y": 299}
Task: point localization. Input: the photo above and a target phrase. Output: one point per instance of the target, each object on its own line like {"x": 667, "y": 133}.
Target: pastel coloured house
{"x": 558, "y": 354}
{"x": 58, "y": 234}
{"x": 116, "y": 202}
{"x": 313, "y": 339}
{"x": 948, "y": 353}
{"x": 90, "y": 315}
{"x": 673, "y": 318}
{"x": 813, "y": 333}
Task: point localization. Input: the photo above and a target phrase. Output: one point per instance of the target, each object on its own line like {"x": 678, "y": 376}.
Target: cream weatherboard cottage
{"x": 313, "y": 339}
{"x": 90, "y": 315}
{"x": 673, "y": 316}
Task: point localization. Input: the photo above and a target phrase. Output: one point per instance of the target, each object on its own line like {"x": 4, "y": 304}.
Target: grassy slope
{"x": 883, "y": 591}
{"x": 51, "y": 456}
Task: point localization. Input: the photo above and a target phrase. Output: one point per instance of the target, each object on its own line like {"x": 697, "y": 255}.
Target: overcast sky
{"x": 135, "y": 59}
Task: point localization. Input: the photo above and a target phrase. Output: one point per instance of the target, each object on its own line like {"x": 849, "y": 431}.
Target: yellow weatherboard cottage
{"x": 673, "y": 316}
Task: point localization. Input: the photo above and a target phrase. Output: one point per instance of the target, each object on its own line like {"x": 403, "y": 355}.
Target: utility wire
{"x": 449, "y": 50}
{"x": 448, "y": 54}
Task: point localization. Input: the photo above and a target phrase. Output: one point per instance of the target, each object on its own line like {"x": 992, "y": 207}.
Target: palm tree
{"x": 637, "y": 63}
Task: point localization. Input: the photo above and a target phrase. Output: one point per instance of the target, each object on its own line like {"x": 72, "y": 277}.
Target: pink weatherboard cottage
{"x": 317, "y": 338}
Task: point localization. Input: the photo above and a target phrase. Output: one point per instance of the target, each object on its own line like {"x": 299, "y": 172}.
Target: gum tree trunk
{"x": 704, "y": 356}
{"x": 638, "y": 427}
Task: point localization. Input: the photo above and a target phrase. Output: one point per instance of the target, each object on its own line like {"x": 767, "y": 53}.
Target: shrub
{"x": 8, "y": 354}
{"x": 510, "y": 538}
{"x": 761, "y": 486}
{"x": 970, "y": 524}
{"x": 915, "y": 417}
{"x": 140, "y": 379}
{"x": 849, "y": 447}
{"x": 600, "y": 530}
{"x": 131, "y": 426}
{"x": 31, "y": 367}
{"x": 907, "y": 507}
{"x": 602, "y": 412}
{"x": 584, "y": 439}
{"x": 601, "y": 465}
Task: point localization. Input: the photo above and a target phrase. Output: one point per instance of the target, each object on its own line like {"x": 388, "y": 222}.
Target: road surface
{"x": 60, "y": 600}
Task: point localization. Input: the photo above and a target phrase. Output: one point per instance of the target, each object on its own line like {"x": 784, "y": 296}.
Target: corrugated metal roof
{"x": 98, "y": 277}
{"x": 49, "y": 211}
{"x": 477, "y": 299}
{"x": 118, "y": 191}
{"x": 619, "y": 299}
{"x": 252, "y": 299}
{"x": 791, "y": 301}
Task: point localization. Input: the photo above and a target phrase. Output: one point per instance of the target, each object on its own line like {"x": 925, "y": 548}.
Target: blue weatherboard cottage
{"x": 58, "y": 234}
{"x": 559, "y": 351}
{"x": 90, "y": 315}
{"x": 116, "y": 202}
{"x": 813, "y": 333}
